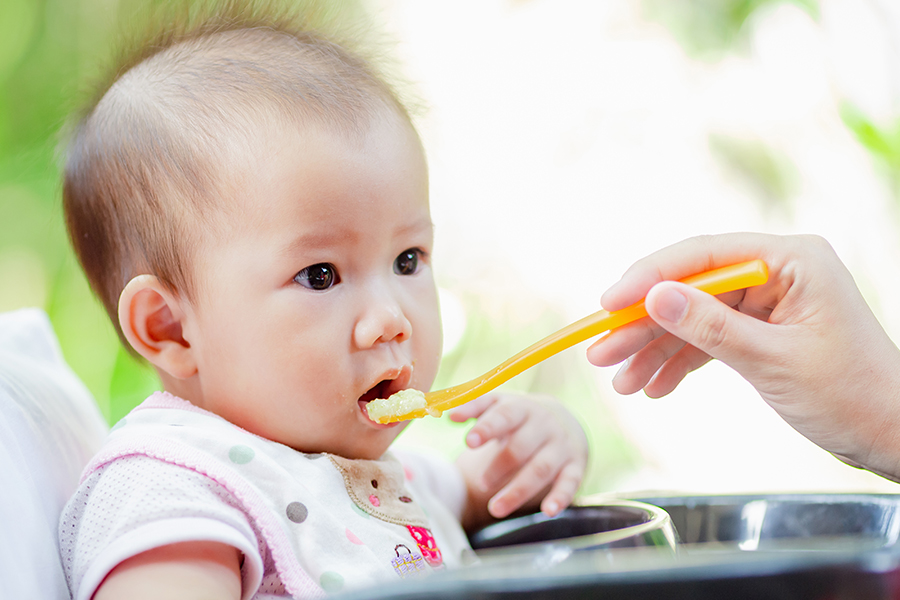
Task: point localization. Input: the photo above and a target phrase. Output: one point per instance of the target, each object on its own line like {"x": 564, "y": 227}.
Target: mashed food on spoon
{"x": 399, "y": 404}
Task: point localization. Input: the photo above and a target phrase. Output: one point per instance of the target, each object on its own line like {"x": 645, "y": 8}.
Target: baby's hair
{"x": 141, "y": 161}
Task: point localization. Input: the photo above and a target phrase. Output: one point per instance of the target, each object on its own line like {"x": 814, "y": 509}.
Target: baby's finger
{"x": 564, "y": 489}
{"x": 534, "y": 477}
{"x": 504, "y": 416}
{"x": 472, "y": 409}
{"x": 516, "y": 450}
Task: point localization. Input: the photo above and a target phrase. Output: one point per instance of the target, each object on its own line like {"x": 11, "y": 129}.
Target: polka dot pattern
{"x": 302, "y": 492}
{"x": 240, "y": 454}
{"x": 353, "y": 539}
{"x": 331, "y": 582}
{"x": 297, "y": 512}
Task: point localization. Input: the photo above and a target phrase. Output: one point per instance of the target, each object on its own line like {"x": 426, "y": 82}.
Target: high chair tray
{"x": 797, "y": 546}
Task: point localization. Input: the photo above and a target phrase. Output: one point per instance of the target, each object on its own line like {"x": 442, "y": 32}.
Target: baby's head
{"x": 250, "y": 203}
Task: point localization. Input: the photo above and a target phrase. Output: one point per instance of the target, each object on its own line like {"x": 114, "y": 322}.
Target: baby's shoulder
{"x": 142, "y": 488}
{"x": 139, "y": 502}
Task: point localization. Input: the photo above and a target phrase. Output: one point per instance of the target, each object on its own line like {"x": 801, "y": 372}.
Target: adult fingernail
{"x": 622, "y": 369}
{"x": 671, "y": 305}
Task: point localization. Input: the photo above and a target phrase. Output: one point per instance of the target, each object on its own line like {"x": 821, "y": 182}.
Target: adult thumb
{"x": 706, "y": 323}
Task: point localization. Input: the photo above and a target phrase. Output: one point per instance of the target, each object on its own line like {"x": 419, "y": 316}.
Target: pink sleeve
{"x": 136, "y": 504}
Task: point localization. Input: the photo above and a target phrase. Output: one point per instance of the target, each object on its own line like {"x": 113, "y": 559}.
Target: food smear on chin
{"x": 399, "y": 404}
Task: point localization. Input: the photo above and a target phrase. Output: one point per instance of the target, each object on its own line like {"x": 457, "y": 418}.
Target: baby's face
{"x": 319, "y": 297}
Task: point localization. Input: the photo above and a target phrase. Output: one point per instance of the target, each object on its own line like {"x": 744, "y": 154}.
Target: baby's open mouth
{"x": 382, "y": 389}
{"x": 392, "y": 382}
{"x": 379, "y": 390}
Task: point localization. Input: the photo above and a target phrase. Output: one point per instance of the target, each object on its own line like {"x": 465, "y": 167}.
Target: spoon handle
{"x": 717, "y": 281}
{"x": 714, "y": 282}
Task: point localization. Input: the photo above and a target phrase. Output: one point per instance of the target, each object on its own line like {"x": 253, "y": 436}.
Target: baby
{"x": 249, "y": 200}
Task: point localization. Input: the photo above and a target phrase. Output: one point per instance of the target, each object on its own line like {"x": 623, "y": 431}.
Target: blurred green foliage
{"x": 707, "y": 29}
{"x": 882, "y": 140}
{"x": 769, "y": 173}
{"x": 45, "y": 47}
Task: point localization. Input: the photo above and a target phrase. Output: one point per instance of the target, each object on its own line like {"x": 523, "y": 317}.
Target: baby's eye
{"x": 408, "y": 262}
{"x": 320, "y": 276}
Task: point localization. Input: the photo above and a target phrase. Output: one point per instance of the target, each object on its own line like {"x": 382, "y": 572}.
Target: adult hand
{"x": 806, "y": 340}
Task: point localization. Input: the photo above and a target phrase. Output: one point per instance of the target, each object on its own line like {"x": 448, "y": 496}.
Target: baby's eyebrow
{"x": 322, "y": 240}
{"x": 319, "y": 240}
{"x": 423, "y": 225}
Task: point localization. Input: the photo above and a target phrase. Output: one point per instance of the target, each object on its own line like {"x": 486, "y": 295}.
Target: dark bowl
{"x": 613, "y": 524}
{"x": 787, "y": 547}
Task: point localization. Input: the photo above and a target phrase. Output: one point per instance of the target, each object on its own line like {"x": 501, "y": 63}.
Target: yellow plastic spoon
{"x": 403, "y": 405}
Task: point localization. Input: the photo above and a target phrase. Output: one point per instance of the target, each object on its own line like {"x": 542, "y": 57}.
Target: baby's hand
{"x": 524, "y": 450}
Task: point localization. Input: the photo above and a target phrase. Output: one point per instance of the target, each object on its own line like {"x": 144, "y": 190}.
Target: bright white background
{"x": 568, "y": 138}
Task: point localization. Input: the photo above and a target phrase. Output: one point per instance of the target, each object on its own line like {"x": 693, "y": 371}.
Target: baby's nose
{"x": 382, "y": 321}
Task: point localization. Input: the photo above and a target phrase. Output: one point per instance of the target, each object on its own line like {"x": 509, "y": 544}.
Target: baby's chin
{"x": 372, "y": 448}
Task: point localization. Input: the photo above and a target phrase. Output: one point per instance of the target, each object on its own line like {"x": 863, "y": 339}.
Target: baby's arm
{"x": 137, "y": 502}
{"x": 806, "y": 340}
{"x": 524, "y": 452}
{"x": 188, "y": 571}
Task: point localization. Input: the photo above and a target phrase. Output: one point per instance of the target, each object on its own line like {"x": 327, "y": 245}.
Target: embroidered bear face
{"x": 378, "y": 488}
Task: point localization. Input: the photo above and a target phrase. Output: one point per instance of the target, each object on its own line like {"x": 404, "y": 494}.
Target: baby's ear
{"x": 152, "y": 319}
